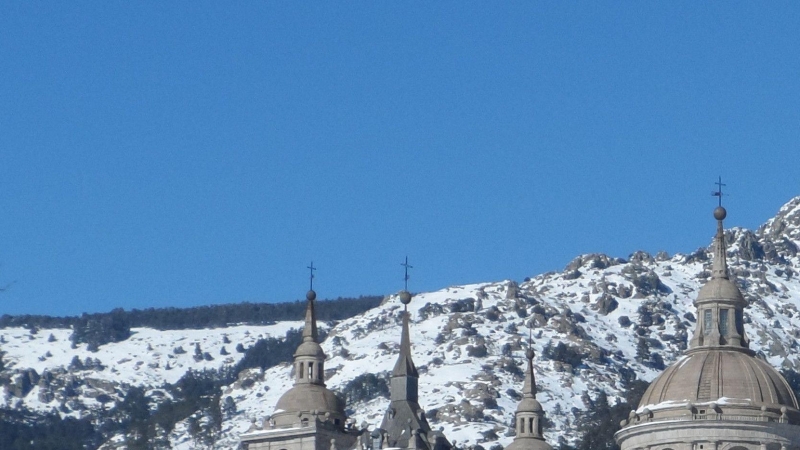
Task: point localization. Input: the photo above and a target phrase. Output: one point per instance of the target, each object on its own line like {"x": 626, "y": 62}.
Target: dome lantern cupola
{"x": 530, "y": 414}
{"x": 309, "y": 399}
{"x": 718, "y": 395}
{"x": 720, "y": 305}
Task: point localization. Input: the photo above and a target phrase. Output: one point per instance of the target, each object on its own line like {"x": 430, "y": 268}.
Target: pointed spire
{"x": 529, "y": 388}
{"x": 405, "y": 366}
{"x": 310, "y": 329}
{"x": 720, "y": 265}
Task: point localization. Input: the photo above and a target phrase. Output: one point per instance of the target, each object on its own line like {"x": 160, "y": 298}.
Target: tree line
{"x": 111, "y": 326}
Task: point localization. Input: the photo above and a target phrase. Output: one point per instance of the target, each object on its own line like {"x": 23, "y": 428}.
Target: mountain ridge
{"x": 596, "y": 325}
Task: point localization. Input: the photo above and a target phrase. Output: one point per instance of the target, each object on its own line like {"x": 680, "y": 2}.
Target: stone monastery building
{"x": 718, "y": 396}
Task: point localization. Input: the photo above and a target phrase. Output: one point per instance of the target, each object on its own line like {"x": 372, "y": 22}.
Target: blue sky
{"x": 160, "y": 154}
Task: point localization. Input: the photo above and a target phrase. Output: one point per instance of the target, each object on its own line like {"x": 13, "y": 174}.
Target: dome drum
{"x": 711, "y": 434}
{"x": 713, "y": 412}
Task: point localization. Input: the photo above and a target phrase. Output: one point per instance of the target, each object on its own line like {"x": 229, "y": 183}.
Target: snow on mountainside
{"x": 618, "y": 319}
{"x": 148, "y": 358}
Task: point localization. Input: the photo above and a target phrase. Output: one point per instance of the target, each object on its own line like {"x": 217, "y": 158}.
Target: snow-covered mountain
{"x": 615, "y": 317}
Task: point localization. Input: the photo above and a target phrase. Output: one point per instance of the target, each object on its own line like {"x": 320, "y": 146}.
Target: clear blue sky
{"x": 177, "y": 154}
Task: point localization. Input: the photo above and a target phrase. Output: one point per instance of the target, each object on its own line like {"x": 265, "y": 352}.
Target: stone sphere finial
{"x": 405, "y": 297}
{"x": 720, "y": 213}
{"x": 311, "y": 295}
{"x": 530, "y": 353}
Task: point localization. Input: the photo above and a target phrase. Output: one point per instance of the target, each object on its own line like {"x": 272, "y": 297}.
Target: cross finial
{"x": 311, "y": 270}
{"x": 405, "y": 278}
{"x": 718, "y": 192}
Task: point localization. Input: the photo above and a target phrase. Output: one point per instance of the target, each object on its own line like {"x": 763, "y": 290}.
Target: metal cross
{"x": 311, "y": 269}
{"x": 407, "y": 266}
{"x": 718, "y": 193}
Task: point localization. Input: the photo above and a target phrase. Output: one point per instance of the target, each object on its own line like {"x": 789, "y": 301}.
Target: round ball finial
{"x": 530, "y": 353}
{"x": 720, "y": 213}
{"x": 405, "y": 297}
{"x": 311, "y": 295}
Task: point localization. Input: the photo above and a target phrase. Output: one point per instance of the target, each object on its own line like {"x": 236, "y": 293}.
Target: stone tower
{"x": 528, "y": 420}
{"x": 308, "y": 416}
{"x": 404, "y": 424}
{"x": 718, "y": 395}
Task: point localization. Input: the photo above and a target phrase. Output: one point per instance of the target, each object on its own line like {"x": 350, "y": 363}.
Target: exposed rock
{"x": 103, "y": 385}
{"x": 662, "y": 256}
{"x": 573, "y": 274}
{"x": 593, "y": 261}
{"x": 605, "y": 304}
{"x": 513, "y": 290}
{"x": 749, "y": 246}
{"x": 641, "y": 257}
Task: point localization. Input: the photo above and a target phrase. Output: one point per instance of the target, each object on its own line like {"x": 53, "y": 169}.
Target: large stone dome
{"x": 722, "y": 376}
{"x": 308, "y": 399}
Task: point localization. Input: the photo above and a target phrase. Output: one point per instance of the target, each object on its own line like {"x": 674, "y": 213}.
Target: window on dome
{"x": 707, "y": 321}
{"x": 310, "y": 370}
{"x": 739, "y": 321}
{"x": 723, "y": 321}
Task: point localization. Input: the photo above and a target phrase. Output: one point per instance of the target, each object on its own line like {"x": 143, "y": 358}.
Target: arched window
{"x": 301, "y": 371}
{"x": 723, "y": 321}
{"x": 311, "y": 371}
{"x": 521, "y": 425}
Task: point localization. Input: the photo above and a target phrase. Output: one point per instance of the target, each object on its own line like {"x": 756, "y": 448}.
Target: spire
{"x": 404, "y": 425}
{"x": 310, "y": 328}
{"x": 720, "y": 267}
{"x": 404, "y": 367}
{"x": 529, "y": 388}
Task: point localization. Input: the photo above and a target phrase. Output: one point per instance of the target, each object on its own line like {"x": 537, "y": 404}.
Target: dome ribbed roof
{"x": 310, "y": 397}
{"x": 310, "y": 348}
{"x": 529, "y": 443}
{"x": 719, "y": 289}
{"x": 529, "y": 404}
{"x": 707, "y": 376}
